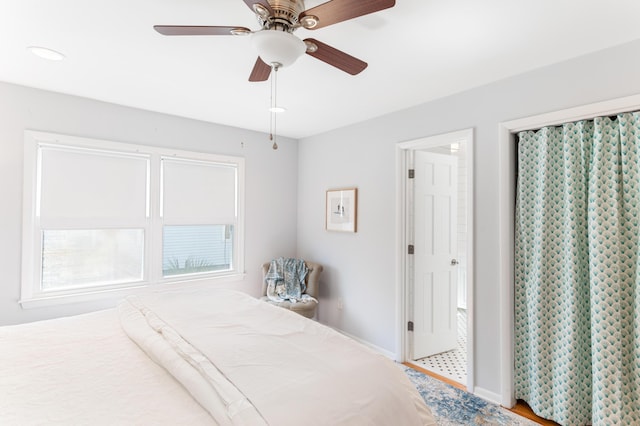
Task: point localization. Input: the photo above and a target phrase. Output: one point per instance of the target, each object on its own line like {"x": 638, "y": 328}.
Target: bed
{"x": 197, "y": 357}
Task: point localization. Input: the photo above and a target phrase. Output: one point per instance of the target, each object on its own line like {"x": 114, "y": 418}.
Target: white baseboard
{"x": 388, "y": 354}
{"x": 487, "y": 395}
{"x": 492, "y": 397}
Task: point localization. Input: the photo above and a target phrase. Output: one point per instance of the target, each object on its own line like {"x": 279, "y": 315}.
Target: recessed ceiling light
{"x": 277, "y": 109}
{"x": 46, "y": 53}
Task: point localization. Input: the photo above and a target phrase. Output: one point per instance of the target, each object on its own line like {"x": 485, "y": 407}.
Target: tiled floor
{"x": 452, "y": 364}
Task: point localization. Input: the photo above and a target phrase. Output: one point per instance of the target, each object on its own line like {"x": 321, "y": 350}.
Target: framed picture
{"x": 342, "y": 210}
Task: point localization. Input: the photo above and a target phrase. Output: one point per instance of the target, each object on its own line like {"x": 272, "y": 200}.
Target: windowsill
{"x": 114, "y": 294}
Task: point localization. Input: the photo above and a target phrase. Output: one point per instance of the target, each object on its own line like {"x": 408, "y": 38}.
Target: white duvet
{"x": 218, "y": 357}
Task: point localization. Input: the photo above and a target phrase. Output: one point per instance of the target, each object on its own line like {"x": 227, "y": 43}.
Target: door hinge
{"x": 410, "y": 326}
{"x": 412, "y": 173}
{"x": 410, "y": 249}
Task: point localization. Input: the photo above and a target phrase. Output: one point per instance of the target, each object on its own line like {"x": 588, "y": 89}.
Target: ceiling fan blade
{"x": 335, "y": 57}
{"x": 264, "y": 3}
{"x": 260, "y": 71}
{"x": 335, "y": 11}
{"x": 192, "y": 30}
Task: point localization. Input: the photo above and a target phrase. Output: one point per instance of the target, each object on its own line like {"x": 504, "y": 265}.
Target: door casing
{"x": 403, "y": 265}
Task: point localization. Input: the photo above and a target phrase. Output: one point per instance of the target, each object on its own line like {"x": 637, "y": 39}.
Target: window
{"x": 103, "y": 215}
{"x": 198, "y": 211}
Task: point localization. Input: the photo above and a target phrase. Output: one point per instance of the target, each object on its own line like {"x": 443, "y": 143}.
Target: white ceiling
{"x": 417, "y": 51}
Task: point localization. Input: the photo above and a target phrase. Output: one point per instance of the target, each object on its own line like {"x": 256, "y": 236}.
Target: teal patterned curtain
{"x": 577, "y": 276}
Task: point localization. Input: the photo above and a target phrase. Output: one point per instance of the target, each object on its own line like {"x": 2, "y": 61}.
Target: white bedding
{"x": 84, "y": 370}
{"x": 245, "y": 361}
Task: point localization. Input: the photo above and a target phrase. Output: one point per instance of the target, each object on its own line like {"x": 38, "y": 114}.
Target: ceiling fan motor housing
{"x": 285, "y": 15}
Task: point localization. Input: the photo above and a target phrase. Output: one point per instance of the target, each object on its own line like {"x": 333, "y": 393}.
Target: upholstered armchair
{"x": 307, "y": 309}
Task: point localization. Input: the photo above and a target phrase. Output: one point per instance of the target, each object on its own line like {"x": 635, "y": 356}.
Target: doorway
{"x": 437, "y": 280}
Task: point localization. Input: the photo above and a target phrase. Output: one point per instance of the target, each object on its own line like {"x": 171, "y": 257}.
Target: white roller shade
{"x": 92, "y": 184}
{"x": 198, "y": 192}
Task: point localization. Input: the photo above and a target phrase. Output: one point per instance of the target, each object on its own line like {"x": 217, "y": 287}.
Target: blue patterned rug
{"x": 451, "y": 406}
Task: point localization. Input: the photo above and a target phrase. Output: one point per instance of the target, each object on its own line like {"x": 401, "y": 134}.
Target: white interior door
{"x": 435, "y": 251}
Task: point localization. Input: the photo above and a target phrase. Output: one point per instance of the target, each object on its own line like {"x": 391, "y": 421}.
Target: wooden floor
{"x": 524, "y": 410}
{"x": 521, "y": 408}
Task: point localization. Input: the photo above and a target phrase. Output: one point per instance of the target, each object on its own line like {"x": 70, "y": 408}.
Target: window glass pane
{"x": 93, "y": 257}
{"x": 189, "y": 249}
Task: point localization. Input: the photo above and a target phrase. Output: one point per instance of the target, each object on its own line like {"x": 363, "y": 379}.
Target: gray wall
{"x": 360, "y": 268}
{"x": 271, "y": 176}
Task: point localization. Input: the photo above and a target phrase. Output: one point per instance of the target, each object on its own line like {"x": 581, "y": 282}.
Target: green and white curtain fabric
{"x": 577, "y": 276}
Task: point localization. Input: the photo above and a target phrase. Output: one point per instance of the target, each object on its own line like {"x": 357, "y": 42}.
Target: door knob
{"x": 454, "y": 262}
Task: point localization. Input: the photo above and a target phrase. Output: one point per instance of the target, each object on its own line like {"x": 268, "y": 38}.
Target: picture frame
{"x": 341, "y": 210}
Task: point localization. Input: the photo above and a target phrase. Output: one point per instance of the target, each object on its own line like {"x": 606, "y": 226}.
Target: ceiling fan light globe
{"x": 278, "y": 47}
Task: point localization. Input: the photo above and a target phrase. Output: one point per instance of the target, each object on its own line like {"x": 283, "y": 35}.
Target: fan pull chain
{"x": 274, "y": 102}
{"x": 270, "y": 108}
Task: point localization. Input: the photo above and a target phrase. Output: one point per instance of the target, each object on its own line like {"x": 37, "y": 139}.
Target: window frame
{"x": 32, "y": 294}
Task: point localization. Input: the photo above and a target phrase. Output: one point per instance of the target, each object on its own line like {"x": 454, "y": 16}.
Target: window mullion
{"x": 154, "y": 241}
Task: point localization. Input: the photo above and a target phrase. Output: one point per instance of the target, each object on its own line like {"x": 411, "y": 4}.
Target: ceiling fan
{"x": 275, "y": 42}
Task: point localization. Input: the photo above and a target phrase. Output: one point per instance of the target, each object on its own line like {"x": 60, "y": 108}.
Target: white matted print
{"x": 341, "y": 210}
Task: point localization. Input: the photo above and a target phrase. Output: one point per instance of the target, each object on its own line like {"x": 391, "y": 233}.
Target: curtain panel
{"x": 577, "y": 277}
